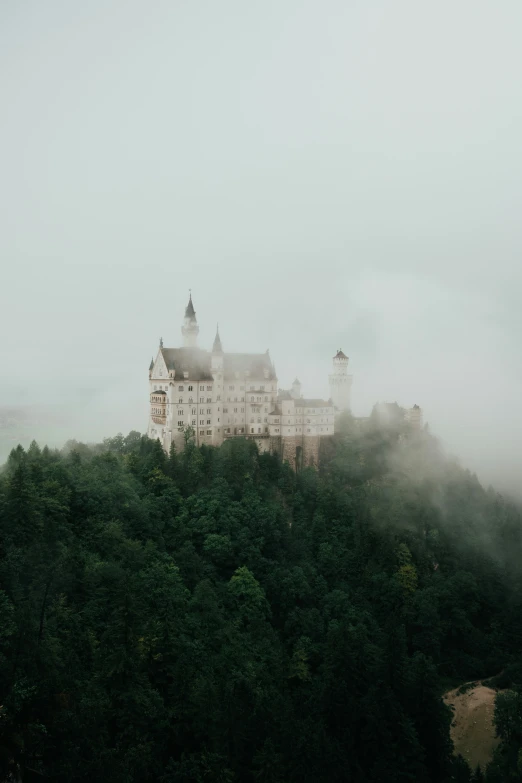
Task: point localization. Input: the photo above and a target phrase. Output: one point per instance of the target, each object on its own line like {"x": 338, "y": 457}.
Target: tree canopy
{"x": 210, "y": 615}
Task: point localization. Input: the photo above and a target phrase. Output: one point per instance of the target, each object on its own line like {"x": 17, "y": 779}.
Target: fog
{"x": 323, "y": 175}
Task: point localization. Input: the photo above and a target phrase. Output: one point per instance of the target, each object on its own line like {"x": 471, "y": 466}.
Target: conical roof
{"x": 217, "y": 347}
{"x": 190, "y": 312}
{"x": 340, "y": 355}
{"x": 151, "y": 365}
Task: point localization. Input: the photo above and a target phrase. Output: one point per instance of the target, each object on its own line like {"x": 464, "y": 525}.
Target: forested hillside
{"x": 211, "y": 616}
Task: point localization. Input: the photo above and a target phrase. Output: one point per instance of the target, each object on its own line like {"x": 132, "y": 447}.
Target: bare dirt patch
{"x": 472, "y": 729}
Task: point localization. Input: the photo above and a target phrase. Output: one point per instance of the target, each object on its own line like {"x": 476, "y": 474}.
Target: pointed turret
{"x": 190, "y": 328}
{"x": 217, "y": 347}
{"x": 151, "y": 365}
{"x": 189, "y": 311}
{"x": 217, "y": 358}
{"x": 296, "y": 389}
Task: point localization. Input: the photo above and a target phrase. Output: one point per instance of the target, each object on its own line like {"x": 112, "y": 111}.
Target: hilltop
{"x": 212, "y": 615}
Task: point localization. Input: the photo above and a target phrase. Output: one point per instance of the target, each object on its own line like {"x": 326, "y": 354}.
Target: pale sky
{"x": 323, "y": 175}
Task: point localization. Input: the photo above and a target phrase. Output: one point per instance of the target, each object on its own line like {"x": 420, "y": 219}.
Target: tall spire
{"x": 189, "y": 311}
{"x": 190, "y": 328}
{"x": 217, "y": 347}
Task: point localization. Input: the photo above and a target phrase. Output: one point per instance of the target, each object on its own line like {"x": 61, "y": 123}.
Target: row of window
{"x": 191, "y": 388}
{"x": 252, "y": 388}
{"x": 191, "y": 400}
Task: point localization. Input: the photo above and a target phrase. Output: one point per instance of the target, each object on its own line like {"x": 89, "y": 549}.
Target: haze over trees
{"x": 212, "y": 616}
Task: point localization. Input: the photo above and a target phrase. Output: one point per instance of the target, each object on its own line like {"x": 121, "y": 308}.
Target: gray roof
{"x": 254, "y": 363}
{"x": 313, "y": 403}
{"x": 196, "y": 362}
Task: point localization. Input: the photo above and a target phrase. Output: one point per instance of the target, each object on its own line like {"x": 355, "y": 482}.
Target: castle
{"x": 222, "y": 395}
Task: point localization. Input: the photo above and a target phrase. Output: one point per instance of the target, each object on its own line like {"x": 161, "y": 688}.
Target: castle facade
{"x": 222, "y": 395}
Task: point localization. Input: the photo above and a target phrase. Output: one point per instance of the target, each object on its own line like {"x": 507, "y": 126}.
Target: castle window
{"x": 180, "y": 401}
{"x": 191, "y": 388}
{"x": 202, "y": 399}
{"x": 308, "y": 430}
{"x": 194, "y": 411}
{"x": 259, "y": 429}
{"x": 208, "y": 421}
{"x": 190, "y": 400}
{"x": 180, "y": 424}
{"x": 209, "y": 388}
{"x": 209, "y": 432}
{"x": 219, "y": 397}
{"x": 181, "y": 388}
{"x": 209, "y": 399}
{"x": 231, "y": 388}
{"x": 252, "y": 429}
{"x": 209, "y": 410}
{"x": 193, "y": 422}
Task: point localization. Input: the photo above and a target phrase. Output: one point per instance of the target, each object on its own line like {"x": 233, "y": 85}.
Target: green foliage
{"x": 209, "y": 615}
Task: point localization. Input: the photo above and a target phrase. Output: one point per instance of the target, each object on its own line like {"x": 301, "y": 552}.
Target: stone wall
{"x": 311, "y": 451}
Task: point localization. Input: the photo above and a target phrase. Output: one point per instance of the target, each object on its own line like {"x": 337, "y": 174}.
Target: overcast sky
{"x": 323, "y": 174}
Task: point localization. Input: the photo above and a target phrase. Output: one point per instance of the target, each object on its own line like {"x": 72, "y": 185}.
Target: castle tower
{"x": 217, "y": 357}
{"x": 295, "y": 391}
{"x": 340, "y": 382}
{"x": 190, "y": 328}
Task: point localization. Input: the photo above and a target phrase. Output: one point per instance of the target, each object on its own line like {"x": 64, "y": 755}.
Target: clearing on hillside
{"x": 472, "y": 729}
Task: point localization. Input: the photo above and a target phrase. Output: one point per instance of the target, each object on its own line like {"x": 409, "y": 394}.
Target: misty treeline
{"x": 211, "y": 616}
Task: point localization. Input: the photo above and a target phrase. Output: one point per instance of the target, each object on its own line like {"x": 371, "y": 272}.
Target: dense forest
{"x": 210, "y": 615}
